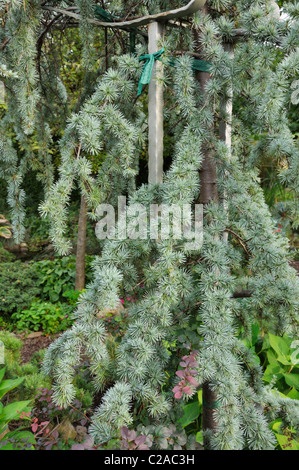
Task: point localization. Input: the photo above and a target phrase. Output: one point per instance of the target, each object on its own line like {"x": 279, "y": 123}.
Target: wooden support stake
{"x": 155, "y": 109}
{"x": 225, "y": 126}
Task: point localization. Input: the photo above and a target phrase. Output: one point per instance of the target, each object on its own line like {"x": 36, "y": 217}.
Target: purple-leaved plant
{"x": 187, "y": 374}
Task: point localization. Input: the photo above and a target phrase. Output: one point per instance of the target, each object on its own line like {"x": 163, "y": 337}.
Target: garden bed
{"x": 33, "y": 343}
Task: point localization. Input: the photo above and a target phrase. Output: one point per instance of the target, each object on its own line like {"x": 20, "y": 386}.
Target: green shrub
{"x": 72, "y": 296}
{"x": 18, "y": 286}
{"x": 56, "y": 277}
{"x": 44, "y": 316}
{"x": 282, "y": 363}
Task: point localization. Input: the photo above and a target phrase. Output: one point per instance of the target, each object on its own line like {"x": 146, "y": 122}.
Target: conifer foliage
{"x": 188, "y": 299}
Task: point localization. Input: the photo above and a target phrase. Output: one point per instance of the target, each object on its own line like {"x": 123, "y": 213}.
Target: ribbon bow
{"x": 149, "y": 60}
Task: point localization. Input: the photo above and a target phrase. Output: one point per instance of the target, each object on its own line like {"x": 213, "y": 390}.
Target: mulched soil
{"x": 33, "y": 345}
{"x": 295, "y": 265}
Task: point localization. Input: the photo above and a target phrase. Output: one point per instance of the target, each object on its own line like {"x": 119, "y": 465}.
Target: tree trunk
{"x": 208, "y": 186}
{"x": 81, "y": 246}
{"x": 208, "y": 193}
{"x": 209, "y": 400}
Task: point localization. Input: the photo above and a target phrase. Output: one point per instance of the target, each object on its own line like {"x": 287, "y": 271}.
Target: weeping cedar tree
{"x": 188, "y": 300}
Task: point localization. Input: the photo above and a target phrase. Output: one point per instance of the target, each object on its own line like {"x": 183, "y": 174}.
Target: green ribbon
{"x": 149, "y": 60}
{"x": 201, "y": 65}
{"x": 103, "y": 15}
{"x": 198, "y": 65}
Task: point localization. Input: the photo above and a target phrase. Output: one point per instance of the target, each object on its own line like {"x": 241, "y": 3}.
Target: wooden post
{"x": 155, "y": 109}
{"x": 225, "y": 126}
{"x": 155, "y": 29}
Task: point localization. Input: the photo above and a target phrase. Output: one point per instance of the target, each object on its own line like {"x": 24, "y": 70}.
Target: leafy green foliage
{"x": 282, "y": 354}
{"x": 11, "y": 412}
{"x": 192, "y": 412}
{"x": 44, "y": 316}
{"x": 287, "y": 438}
{"x": 72, "y": 296}
{"x": 279, "y": 357}
{"x": 18, "y": 286}
{"x": 56, "y": 278}
{"x": 7, "y": 385}
{"x": 18, "y": 440}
